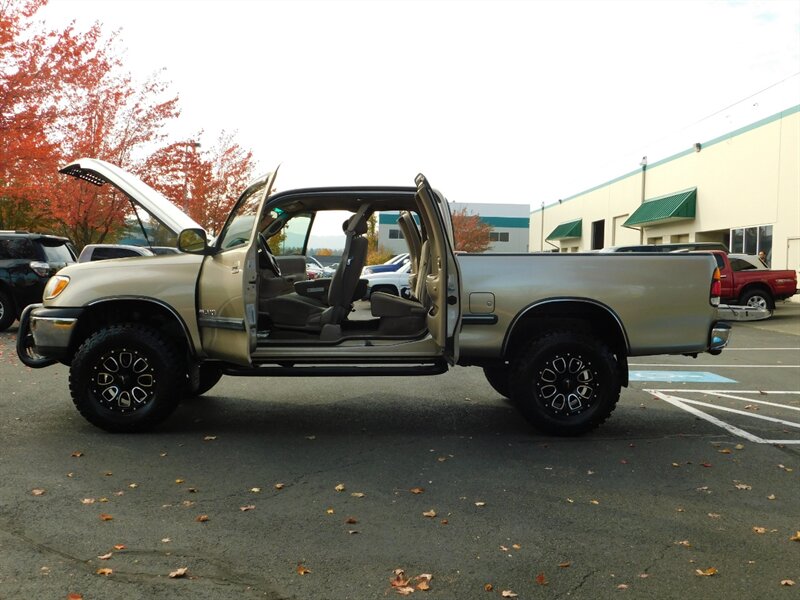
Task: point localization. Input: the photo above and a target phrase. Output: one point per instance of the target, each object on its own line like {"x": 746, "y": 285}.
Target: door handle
{"x": 235, "y": 269}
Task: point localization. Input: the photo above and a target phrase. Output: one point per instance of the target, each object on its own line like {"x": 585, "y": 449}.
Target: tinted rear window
{"x": 18, "y": 248}
{"x": 104, "y": 253}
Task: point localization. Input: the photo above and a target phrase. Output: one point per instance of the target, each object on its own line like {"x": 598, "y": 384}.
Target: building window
{"x": 752, "y": 240}
{"x": 598, "y": 234}
{"x": 395, "y": 234}
{"x": 498, "y": 236}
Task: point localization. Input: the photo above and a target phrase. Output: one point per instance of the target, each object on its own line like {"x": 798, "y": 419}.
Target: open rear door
{"x": 443, "y": 282}
{"x": 228, "y": 287}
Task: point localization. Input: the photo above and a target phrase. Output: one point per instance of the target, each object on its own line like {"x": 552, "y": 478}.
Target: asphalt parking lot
{"x": 290, "y": 489}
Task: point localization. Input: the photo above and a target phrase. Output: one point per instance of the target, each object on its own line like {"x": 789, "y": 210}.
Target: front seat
{"x": 295, "y": 311}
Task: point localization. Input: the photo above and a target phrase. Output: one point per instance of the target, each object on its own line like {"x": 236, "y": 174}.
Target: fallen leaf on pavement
{"x": 564, "y": 565}
{"x": 358, "y": 494}
{"x": 209, "y": 438}
{"x": 480, "y": 504}
{"x": 594, "y": 501}
{"x": 424, "y": 582}
{"x": 88, "y": 501}
{"x": 488, "y": 587}
{"x": 180, "y": 481}
{"x": 622, "y": 586}
{"x": 706, "y": 572}
{"x": 77, "y": 454}
{"x": 165, "y": 540}
{"x": 760, "y": 530}
{"x": 248, "y": 507}
{"x": 329, "y": 511}
{"x": 684, "y": 543}
{"x": 714, "y": 515}
{"x": 743, "y": 486}
{"x": 398, "y": 579}
{"x": 74, "y": 597}
{"x": 120, "y": 547}
{"x": 541, "y": 579}
{"x": 202, "y": 518}
{"x": 106, "y": 556}
{"x": 771, "y": 497}
{"x": 106, "y": 517}
{"x": 788, "y": 582}
{"x": 177, "y": 573}
{"x": 339, "y": 487}
{"x": 508, "y": 594}
{"x": 429, "y": 513}
{"x": 302, "y": 570}
{"x": 37, "y": 492}
{"x": 795, "y": 537}
{"x": 404, "y": 591}
{"x": 351, "y": 520}
{"x": 255, "y": 490}
{"x": 280, "y": 486}
{"x": 105, "y": 572}
{"x": 416, "y": 490}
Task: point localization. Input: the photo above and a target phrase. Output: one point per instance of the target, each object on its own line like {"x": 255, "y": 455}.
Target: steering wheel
{"x": 263, "y": 246}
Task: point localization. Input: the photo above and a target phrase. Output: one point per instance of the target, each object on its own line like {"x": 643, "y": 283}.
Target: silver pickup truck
{"x": 552, "y": 332}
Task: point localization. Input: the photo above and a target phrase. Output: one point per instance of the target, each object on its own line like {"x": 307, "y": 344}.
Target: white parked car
{"x": 392, "y": 282}
{"x": 92, "y": 252}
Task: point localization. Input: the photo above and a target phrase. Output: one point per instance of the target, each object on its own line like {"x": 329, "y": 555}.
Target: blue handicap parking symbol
{"x": 679, "y": 376}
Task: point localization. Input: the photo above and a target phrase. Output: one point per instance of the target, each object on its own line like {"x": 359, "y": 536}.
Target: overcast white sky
{"x": 522, "y": 102}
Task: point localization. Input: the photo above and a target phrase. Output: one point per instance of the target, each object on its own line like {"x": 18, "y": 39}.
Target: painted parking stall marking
{"x": 780, "y": 402}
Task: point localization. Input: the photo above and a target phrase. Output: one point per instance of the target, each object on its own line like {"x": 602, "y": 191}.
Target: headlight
{"x": 56, "y": 285}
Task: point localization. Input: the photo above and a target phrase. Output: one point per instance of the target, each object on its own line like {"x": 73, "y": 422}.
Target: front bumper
{"x": 45, "y": 334}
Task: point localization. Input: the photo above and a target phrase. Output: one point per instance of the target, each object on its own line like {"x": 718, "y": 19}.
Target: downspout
{"x": 644, "y": 180}
{"x": 541, "y": 234}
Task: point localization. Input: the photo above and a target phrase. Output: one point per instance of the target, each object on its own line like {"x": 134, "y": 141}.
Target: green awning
{"x": 665, "y": 209}
{"x": 570, "y": 229}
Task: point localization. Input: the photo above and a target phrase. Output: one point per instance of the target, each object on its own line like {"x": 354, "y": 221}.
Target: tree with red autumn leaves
{"x": 470, "y": 233}
{"x": 64, "y": 95}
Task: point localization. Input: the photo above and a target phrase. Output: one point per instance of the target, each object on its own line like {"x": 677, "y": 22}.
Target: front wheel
{"x": 565, "y": 383}
{"x": 126, "y": 378}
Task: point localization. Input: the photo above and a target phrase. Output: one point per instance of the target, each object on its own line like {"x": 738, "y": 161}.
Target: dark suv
{"x": 27, "y": 260}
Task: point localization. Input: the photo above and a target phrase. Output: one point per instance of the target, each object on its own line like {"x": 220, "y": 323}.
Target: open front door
{"x": 228, "y": 287}
{"x": 443, "y": 281}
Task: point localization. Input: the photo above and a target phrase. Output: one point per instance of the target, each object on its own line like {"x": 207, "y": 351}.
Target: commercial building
{"x": 741, "y": 188}
{"x": 509, "y": 223}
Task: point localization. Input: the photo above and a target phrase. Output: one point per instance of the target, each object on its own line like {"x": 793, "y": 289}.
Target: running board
{"x": 312, "y": 370}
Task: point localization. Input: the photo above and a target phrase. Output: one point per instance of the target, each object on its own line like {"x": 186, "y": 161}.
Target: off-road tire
{"x": 565, "y": 383}
{"x": 126, "y": 378}
{"x": 7, "y": 312}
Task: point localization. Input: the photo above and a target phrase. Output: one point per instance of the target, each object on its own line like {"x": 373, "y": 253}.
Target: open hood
{"x": 100, "y": 172}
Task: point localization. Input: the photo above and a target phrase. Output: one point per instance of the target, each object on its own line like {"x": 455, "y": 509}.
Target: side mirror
{"x": 193, "y": 241}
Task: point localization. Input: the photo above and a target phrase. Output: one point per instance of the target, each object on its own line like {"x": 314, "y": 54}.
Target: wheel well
{"x": 144, "y": 312}
{"x": 581, "y": 316}
{"x": 760, "y": 287}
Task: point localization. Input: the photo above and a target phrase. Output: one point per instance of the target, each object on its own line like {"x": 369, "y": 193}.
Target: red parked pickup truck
{"x": 746, "y": 283}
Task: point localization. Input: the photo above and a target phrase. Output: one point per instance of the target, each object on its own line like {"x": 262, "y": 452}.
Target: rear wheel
{"x": 757, "y": 299}
{"x": 7, "y": 312}
{"x": 565, "y": 383}
{"x": 126, "y": 378}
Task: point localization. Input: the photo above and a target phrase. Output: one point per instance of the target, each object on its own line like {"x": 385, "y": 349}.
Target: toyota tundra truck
{"x": 553, "y": 332}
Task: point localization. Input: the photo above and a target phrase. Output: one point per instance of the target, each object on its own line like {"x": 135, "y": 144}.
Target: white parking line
{"x": 752, "y": 349}
{"x": 713, "y": 366}
{"x": 689, "y": 406}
